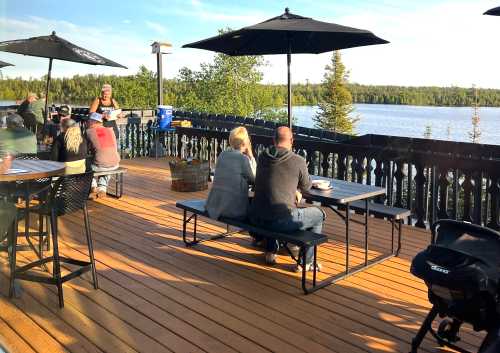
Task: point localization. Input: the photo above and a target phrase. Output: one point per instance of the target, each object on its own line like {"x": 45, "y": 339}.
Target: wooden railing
{"x": 425, "y": 176}
{"x": 435, "y": 179}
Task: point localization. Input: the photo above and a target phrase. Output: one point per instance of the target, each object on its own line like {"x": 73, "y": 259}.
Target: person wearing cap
{"x": 104, "y": 150}
{"x": 16, "y": 138}
{"x": 104, "y": 105}
{"x": 64, "y": 112}
{"x": 70, "y": 147}
{"x": 53, "y": 127}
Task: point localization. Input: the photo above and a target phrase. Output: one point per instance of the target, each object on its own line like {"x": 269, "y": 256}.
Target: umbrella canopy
{"x": 493, "y": 12}
{"x": 3, "y": 64}
{"x": 288, "y": 34}
{"x": 54, "y": 47}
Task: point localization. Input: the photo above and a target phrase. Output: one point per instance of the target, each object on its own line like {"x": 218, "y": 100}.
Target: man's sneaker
{"x": 309, "y": 267}
{"x": 101, "y": 192}
{"x": 270, "y": 258}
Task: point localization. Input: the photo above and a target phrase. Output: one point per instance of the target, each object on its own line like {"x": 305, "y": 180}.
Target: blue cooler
{"x": 164, "y": 116}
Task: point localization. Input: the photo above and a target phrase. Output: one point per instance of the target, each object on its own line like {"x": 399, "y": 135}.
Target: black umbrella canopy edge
{"x": 82, "y": 56}
{"x": 4, "y": 64}
{"x": 493, "y": 12}
{"x": 54, "y": 37}
{"x": 287, "y": 34}
{"x": 289, "y": 18}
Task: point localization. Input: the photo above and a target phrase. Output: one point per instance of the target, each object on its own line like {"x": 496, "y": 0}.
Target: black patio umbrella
{"x": 493, "y": 12}
{"x": 3, "y": 64}
{"x": 54, "y": 47}
{"x": 288, "y": 34}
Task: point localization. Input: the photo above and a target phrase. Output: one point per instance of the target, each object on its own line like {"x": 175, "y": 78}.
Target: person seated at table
{"x": 70, "y": 147}
{"x": 104, "y": 150}
{"x": 234, "y": 171}
{"x": 16, "y": 138}
{"x": 280, "y": 173}
{"x": 53, "y": 127}
{"x": 7, "y": 208}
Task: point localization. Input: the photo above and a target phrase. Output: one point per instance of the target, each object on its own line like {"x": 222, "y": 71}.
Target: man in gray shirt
{"x": 280, "y": 174}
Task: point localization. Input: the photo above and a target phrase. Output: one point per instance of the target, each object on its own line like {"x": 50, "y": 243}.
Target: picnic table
{"x": 342, "y": 193}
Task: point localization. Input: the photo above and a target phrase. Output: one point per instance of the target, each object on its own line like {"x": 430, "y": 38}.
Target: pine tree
{"x": 475, "y": 134}
{"x": 336, "y": 105}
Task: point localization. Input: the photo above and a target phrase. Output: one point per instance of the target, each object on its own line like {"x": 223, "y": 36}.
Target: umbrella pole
{"x": 289, "y": 61}
{"x": 47, "y": 93}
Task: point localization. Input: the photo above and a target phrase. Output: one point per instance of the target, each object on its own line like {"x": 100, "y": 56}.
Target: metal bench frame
{"x": 300, "y": 260}
{"x": 118, "y": 176}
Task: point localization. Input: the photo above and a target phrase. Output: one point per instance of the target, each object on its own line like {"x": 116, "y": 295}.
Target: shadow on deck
{"x": 158, "y": 296}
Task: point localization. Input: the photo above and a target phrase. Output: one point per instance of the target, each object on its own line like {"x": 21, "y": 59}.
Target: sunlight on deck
{"x": 156, "y": 295}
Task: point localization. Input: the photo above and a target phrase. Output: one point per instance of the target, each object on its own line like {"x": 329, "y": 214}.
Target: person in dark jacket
{"x": 281, "y": 176}
{"x": 7, "y": 208}
{"x": 70, "y": 147}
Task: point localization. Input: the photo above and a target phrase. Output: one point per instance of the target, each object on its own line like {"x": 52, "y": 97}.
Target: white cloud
{"x": 157, "y": 27}
{"x": 126, "y": 21}
{"x": 449, "y": 43}
{"x": 196, "y": 3}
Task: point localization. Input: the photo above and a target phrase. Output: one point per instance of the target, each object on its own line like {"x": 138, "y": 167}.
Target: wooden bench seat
{"x": 303, "y": 239}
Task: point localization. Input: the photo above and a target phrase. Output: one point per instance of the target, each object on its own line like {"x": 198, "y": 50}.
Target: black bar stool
{"x": 68, "y": 195}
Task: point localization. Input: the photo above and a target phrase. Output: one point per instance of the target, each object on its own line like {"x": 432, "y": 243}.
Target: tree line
{"x": 232, "y": 86}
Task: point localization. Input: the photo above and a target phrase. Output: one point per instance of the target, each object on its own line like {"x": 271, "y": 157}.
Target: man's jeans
{"x": 309, "y": 218}
{"x": 102, "y": 181}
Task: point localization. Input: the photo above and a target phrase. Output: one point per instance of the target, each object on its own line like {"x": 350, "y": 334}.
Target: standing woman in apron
{"x": 103, "y": 105}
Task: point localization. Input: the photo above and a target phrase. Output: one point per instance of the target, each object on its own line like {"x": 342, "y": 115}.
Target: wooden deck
{"x": 158, "y": 296}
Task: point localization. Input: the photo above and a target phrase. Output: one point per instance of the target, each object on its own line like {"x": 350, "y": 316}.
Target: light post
{"x": 160, "y": 48}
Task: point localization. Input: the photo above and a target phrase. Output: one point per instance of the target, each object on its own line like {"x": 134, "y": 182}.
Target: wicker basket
{"x": 189, "y": 176}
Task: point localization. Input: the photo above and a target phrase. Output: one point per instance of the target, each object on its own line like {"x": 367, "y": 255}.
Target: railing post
{"x": 468, "y": 186}
{"x": 399, "y": 176}
{"x": 420, "y": 197}
{"x": 494, "y": 191}
{"x": 443, "y": 185}
{"x": 478, "y": 197}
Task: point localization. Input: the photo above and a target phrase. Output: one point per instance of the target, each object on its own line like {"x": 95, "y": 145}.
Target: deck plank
{"x": 157, "y": 295}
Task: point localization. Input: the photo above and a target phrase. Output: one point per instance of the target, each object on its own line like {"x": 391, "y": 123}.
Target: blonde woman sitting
{"x": 70, "y": 147}
{"x": 234, "y": 171}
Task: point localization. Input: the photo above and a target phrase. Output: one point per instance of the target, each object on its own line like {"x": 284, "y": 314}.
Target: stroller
{"x": 461, "y": 269}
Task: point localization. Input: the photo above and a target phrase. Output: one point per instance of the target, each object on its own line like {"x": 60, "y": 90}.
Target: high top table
{"x": 342, "y": 194}
{"x": 26, "y": 170}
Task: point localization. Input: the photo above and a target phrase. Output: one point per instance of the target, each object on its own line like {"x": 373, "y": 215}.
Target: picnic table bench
{"x": 302, "y": 239}
{"x": 393, "y": 214}
{"x": 117, "y": 174}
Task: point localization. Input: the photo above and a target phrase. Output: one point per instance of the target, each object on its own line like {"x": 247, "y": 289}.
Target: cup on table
{"x": 321, "y": 184}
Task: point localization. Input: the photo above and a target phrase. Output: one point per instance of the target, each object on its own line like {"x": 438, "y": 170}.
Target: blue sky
{"x": 438, "y": 42}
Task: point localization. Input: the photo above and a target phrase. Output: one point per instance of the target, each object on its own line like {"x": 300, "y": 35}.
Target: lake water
{"x": 447, "y": 123}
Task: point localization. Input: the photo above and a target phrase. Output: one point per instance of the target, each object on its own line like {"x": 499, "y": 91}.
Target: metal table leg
{"x": 367, "y": 217}
{"x": 347, "y": 238}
